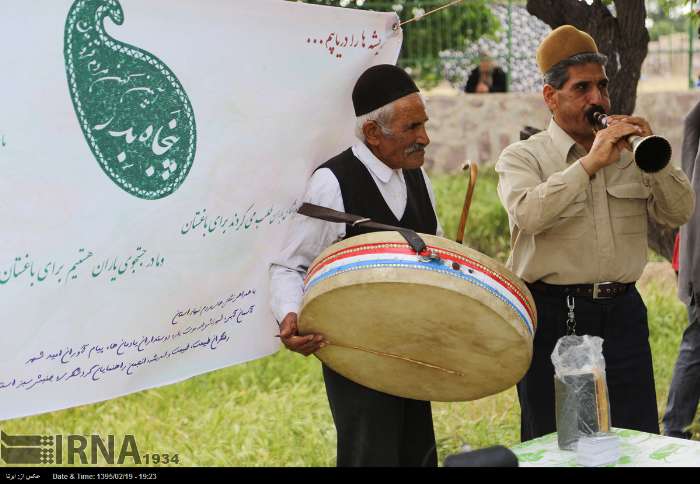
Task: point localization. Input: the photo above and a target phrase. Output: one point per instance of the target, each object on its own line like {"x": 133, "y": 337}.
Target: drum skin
{"x": 454, "y": 327}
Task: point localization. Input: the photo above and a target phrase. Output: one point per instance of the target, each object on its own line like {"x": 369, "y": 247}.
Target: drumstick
{"x": 473, "y": 173}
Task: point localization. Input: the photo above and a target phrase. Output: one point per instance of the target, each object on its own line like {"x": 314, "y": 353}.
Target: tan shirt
{"x": 567, "y": 228}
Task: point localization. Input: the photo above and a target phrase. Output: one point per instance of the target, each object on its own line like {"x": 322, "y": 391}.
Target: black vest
{"x": 362, "y": 197}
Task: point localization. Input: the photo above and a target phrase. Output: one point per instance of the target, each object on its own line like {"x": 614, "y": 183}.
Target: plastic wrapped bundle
{"x": 580, "y": 388}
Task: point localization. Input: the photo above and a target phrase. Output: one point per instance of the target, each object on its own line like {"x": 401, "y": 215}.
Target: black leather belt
{"x": 599, "y": 290}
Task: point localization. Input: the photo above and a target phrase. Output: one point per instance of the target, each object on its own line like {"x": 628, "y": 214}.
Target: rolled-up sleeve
{"x": 534, "y": 204}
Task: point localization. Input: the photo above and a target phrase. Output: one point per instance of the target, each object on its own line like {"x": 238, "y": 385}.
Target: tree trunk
{"x": 624, "y": 39}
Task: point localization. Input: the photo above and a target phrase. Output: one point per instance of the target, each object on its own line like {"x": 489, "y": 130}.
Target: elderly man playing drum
{"x": 379, "y": 177}
{"x": 578, "y": 205}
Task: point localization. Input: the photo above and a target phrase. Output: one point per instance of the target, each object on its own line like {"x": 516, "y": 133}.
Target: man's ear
{"x": 372, "y": 133}
{"x": 550, "y": 96}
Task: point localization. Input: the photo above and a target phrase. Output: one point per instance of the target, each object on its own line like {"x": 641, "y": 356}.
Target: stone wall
{"x": 478, "y": 126}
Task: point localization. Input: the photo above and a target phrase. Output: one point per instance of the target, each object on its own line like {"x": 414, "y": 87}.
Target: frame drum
{"x": 450, "y": 324}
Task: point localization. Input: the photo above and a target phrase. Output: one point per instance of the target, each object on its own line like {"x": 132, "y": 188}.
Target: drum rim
{"x": 396, "y": 240}
{"x": 357, "y": 246}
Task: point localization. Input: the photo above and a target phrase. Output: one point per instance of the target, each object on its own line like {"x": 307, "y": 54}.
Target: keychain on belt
{"x": 571, "y": 322}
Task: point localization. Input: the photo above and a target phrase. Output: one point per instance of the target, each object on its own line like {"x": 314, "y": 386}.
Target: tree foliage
{"x": 667, "y": 16}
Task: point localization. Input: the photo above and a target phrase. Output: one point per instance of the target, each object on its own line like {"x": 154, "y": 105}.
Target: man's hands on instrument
{"x": 609, "y": 142}
{"x": 642, "y": 123}
{"x": 289, "y": 334}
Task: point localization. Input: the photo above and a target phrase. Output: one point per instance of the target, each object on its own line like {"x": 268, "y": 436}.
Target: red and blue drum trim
{"x": 382, "y": 255}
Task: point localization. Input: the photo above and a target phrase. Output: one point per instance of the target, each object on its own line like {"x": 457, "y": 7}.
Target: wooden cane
{"x": 473, "y": 173}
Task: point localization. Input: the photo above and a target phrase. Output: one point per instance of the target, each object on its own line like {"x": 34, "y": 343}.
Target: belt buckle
{"x": 596, "y": 290}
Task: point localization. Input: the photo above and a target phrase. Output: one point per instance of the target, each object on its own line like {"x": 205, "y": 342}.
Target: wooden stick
{"x": 418, "y": 17}
{"x": 473, "y": 173}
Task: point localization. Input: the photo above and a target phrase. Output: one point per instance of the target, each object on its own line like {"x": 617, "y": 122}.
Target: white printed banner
{"x": 151, "y": 153}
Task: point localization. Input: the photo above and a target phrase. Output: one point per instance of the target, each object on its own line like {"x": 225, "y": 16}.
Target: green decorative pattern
{"x": 665, "y": 452}
{"x": 134, "y": 113}
{"x": 532, "y": 456}
{"x": 637, "y": 449}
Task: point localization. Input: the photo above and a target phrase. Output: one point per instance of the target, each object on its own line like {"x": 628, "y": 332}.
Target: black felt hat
{"x": 380, "y": 85}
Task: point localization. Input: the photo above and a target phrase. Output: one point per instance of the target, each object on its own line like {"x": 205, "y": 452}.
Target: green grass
{"x": 274, "y": 412}
{"x": 667, "y": 320}
{"x": 487, "y": 226}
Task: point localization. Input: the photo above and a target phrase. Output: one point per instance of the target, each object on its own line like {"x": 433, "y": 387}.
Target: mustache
{"x": 414, "y": 148}
{"x": 595, "y": 108}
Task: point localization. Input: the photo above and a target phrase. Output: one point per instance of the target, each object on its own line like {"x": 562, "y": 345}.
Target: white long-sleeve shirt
{"x": 307, "y": 237}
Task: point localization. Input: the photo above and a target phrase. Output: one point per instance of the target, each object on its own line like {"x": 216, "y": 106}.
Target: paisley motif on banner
{"x": 134, "y": 113}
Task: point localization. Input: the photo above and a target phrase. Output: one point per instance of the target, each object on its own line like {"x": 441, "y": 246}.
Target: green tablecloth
{"x": 638, "y": 449}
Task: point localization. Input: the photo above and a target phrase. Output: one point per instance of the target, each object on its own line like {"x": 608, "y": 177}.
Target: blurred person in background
{"x": 486, "y": 77}
{"x": 684, "y": 393}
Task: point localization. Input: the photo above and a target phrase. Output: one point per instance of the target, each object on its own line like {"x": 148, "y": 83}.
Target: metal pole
{"x": 510, "y": 43}
{"x": 691, "y": 77}
{"x": 670, "y": 53}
